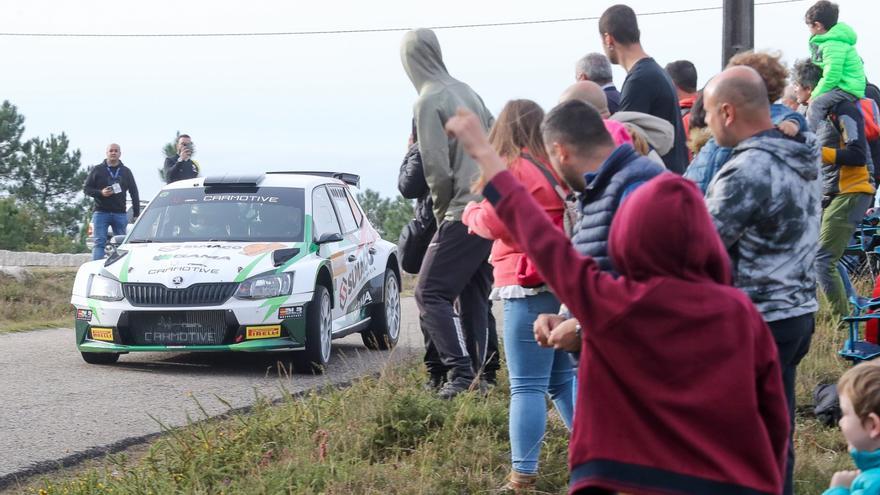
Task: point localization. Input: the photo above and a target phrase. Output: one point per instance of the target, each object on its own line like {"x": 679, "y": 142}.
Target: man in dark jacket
{"x": 181, "y": 166}
{"x": 596, "y": 67}
{"x": 456, "y": 265}
{"x": 647, "y": 87}
{"x": 765, "y": 203}
{"x": 108, "y": 182}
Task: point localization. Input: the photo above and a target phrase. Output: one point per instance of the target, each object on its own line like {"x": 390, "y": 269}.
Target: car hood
{"x": 180, "y": 265}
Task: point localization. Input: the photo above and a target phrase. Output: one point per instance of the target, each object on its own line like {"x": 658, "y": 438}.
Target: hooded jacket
{"x": 845, "y": 166}
{"x": 842, "y": 67}
{"x": 766, "y": 205}
{"x": 712, "y": 157}
{"x": 686, "y": 368}
{"x": 449, "y": 171}
{"x": 659, "y": 133}
{"x": 868, "y": 481}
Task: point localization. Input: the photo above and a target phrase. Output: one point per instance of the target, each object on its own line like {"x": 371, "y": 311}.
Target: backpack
{"x": 827, "y": 403}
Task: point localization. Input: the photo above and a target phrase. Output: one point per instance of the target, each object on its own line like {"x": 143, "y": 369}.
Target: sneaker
{"x": 435, "y": 383}
{"x": 453, "y": 388}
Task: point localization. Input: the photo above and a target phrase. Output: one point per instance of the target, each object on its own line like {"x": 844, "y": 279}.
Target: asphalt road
{"x": 56, "y": 410}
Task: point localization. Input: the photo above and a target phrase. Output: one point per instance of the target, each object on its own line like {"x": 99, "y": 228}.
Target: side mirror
{"x": 329, "y": 237}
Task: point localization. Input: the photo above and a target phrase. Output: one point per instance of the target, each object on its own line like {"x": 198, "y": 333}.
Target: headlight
{"x": 104, "y": 289}
{"x": 265, "y": 286}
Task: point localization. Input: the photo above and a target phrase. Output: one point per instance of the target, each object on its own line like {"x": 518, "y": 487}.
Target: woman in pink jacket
{"x": 534, "y": 371}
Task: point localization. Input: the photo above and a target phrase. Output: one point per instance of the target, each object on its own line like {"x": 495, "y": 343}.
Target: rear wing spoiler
{"x": 350, "y": 179}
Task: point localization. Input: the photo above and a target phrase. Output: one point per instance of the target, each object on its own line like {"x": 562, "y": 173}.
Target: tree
{"x": 11, "y": 129}
{"x": 386, "y": 215}
{"x": 49, "y": 180}
{"x": 169, "y": 150}
{"x": 18, "y": 228}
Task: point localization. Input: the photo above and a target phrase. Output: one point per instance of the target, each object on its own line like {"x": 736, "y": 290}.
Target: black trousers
{"x": 435, "y": 365}
{"x": 792, "y": 336}
{"x": 456, "y": 267}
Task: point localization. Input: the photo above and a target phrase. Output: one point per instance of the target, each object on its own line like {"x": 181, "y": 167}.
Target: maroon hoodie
{"x": 679, "y": 387}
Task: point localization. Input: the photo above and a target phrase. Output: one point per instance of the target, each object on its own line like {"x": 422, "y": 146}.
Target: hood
{"x": 618, "y": 132}
{"x": 196, "y": 262}
{"x": 803, "y": 158}
{"x": 659, "y": 133}
{"x": 663, "y": 229}
{"x": 839, "y": 32}
{"x": 422, "y": 59}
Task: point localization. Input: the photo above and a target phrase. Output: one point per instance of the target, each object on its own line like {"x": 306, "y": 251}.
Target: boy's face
{"x": 816, "y": 28}
{"x": 860, "y": 435}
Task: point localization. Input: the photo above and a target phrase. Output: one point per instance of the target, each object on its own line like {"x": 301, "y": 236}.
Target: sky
{"x": 337, "y": 102}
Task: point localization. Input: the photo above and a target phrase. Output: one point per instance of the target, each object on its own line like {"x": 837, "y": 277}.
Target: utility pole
{"x": 738, "y": 29}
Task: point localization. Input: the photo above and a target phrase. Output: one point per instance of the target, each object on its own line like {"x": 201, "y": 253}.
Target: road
{"x": 56, "y": 410}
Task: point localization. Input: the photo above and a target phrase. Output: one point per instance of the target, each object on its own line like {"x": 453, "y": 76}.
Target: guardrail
{"x": 31, "y": 258}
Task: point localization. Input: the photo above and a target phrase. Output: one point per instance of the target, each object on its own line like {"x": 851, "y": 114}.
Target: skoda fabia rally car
{"x": 285, "y": 260}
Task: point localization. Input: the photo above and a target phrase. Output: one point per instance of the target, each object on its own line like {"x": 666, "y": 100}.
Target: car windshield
{"x": 213, "y": 214}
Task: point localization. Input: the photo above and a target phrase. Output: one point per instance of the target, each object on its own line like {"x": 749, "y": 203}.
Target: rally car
{"x": 279, "y": 261}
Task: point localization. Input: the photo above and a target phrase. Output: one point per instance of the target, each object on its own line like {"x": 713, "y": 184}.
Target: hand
{"x": 843, "y": 478}
{"x": 789, "y": 128}
{"x": 565, "y": 336}
{"x": 870, "y": 211}
{"x": 185, "y": 154}
{"x": 544, "y": 324}
{"x": 107, "y": 192}
{"x": 466, "y": 127}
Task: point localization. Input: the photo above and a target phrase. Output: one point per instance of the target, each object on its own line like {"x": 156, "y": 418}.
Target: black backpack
{"x": 827, "y": 408}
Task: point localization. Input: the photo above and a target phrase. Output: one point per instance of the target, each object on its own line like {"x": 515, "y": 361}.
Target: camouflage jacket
{"x": 765, "y": 203}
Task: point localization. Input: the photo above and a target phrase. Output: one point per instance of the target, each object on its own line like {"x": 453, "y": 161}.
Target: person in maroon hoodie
{"x": 680, "y": 389}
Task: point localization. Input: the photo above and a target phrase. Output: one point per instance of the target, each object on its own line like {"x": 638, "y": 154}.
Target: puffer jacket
{"x": 868, "y": 481}
{"x": 712, "y": 157}
{"x": 411, "y": 184}
{"x": 765, "y": 203}
{"x": 842, "y": 67}
{"x": 449, "y": 171}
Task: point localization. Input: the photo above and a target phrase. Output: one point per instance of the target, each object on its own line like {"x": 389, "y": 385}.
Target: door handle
{"x": 352, "y": 258}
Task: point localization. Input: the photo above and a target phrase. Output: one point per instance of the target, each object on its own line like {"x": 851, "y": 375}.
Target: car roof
{"x": 267, "y": 180}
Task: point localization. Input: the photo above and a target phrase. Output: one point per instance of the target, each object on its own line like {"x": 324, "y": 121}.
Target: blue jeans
{"x": 534, "y": 372}
{"x": 101, "y": 221}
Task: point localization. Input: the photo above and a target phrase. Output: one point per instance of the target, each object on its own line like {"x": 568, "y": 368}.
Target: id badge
{"x": 116, "y": 188}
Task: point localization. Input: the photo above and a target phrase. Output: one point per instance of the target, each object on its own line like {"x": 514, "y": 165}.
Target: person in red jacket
{"x": 535, "y": 372}
{"x": 679, "y": 384}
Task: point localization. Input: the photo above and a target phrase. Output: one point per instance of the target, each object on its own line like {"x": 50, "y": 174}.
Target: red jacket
{"x": 679, "y": 387}
{"x": 482, "y": 220}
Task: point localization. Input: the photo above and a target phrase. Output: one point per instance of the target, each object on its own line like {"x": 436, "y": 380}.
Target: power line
{"x": 361, "y": 31}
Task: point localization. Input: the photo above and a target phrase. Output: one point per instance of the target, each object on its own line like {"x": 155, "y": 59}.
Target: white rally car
{"x": 284, "y": 260}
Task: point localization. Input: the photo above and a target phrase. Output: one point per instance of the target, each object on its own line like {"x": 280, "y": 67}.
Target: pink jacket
{"x": 482, "y": 220}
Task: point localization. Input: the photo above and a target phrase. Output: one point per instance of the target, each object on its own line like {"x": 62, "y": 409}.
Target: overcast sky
{"x": 326, "y": 102}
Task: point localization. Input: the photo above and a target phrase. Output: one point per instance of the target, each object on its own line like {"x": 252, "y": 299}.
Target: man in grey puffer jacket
{"x": 456, "y": 264}
{"x": 765, "y": 203}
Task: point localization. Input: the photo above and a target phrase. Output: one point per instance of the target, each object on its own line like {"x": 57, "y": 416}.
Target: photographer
{"x": 108, "y": 183}
{"x": 181, "y": 166}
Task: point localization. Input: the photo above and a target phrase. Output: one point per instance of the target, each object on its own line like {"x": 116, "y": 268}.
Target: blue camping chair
{"x": 856, "y": 349}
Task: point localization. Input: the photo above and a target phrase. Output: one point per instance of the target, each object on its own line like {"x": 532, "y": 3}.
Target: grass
{"x": 43, "y": 301}
{"x": 386, "y": 435}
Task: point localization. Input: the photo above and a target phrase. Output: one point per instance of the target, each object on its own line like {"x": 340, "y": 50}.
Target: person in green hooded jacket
{"x": 833, "y": 48}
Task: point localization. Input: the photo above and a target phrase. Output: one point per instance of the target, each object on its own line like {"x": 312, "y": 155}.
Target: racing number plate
{"x": 263, "y": 332}
{"x": 105, "y": 334}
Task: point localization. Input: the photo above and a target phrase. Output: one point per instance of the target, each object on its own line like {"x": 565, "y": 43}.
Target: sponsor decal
{"x": 263, "y": 332}
{"x": 105, "y": 334}
{"x": 84, "y": 315}
{"x": 203, "y": 337}
{"x": 165, "y": 257}
{"x": 261, "y": 247}
{"x": 290, "y": 312}
{"x": 168, "y": 249}
{"x": 353, "y": 278}
{"x": 245, "y": 198}
{"x": 184, "y": 268}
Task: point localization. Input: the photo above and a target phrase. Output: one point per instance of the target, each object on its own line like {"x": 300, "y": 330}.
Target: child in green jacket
{"x": 859, "y": 392}
{"x": 832, "y": 45}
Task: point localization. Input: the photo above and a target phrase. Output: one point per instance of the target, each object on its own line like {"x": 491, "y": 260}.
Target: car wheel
{"x": 319, "y": 328}
{"x": 384, "y": 330}
{"x": 100, "y": 357}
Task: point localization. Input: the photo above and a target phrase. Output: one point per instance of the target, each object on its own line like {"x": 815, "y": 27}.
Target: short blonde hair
{"x": 861, "y": 384}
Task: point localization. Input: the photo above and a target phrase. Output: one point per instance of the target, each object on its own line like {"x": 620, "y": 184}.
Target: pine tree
{"x": 11, "y": 129}
{"x": 169, "y": 150}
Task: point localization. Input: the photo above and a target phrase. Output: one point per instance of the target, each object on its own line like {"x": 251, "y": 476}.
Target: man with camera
{"x": 181, "y": 166}
{"x": 108, "y": 182}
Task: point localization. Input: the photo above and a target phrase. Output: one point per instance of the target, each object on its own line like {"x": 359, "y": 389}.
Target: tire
{"x": 100, "y": 357}
{"x": 319, "y": 326}
{"x": 384, "y": 330}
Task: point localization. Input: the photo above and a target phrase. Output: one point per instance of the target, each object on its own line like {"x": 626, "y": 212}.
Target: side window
{"x": 358, "y": 215}
{"x": 340, "y": 200}
{"x": 322, "y": 214}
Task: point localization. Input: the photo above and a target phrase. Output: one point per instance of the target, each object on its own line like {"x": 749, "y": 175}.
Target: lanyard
{"x": 113, "y": 176}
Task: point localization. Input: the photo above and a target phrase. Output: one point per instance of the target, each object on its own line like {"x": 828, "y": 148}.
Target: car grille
{"x": 177, "y": 327}
{"x": 194, "y": 295}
